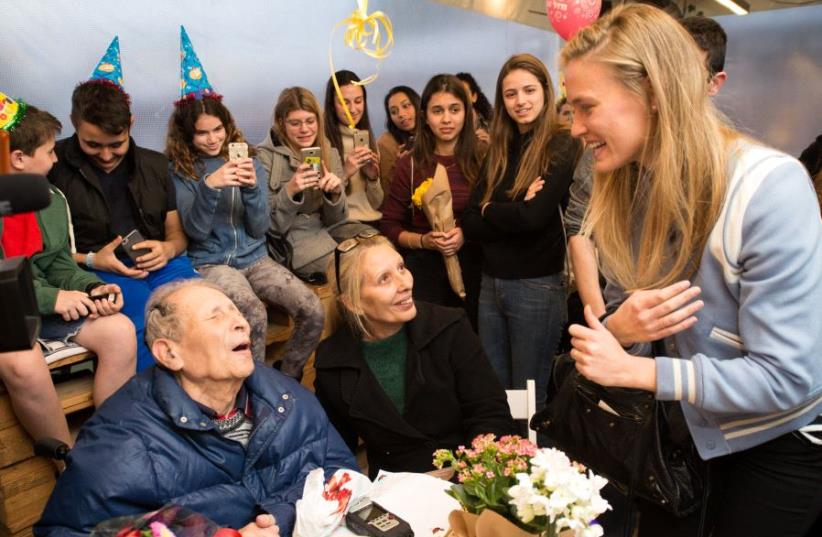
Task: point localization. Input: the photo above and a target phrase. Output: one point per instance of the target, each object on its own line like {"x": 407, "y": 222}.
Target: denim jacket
{"x": 224, "y": 226}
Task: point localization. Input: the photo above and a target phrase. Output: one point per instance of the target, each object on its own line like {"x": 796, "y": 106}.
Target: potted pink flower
{"x": 519, "y": 489}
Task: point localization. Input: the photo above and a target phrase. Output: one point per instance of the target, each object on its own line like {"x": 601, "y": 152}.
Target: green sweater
{"x": 386, "y": 359}
{"x": 54, "y": 268}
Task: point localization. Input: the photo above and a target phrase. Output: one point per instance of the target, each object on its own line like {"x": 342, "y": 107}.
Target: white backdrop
{"x": 252, "y": 49}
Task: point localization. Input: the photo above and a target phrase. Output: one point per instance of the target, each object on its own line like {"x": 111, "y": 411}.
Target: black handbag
{"x": 639, "y": 444}
{"x": 279, "y": 249}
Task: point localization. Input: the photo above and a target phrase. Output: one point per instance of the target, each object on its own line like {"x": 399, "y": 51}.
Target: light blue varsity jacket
{"x": 750, "y": 369}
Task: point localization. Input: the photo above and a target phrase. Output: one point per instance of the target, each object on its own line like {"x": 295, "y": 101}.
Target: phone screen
{"x": 312, "y": 157}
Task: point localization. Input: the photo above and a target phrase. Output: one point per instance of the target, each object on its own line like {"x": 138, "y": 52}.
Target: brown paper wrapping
{"x": 436, "y": 204}
{"x": 488, "y": 524}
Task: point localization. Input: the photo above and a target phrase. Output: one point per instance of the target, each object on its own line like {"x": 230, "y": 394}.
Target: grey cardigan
{"x": 304, "y": 221}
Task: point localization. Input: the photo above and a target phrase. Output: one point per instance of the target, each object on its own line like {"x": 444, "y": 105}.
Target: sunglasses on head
{"x": 346, "y": 246}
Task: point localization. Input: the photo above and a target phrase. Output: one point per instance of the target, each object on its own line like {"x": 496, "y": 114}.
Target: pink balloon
{"x": 568, "y": 16}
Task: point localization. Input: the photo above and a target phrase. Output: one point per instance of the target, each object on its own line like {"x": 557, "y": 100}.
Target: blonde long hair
{"x": 297, "y": 98}
{"x": 349, "y": 298}
{"x": 674, "y": 199}
{"x": 536, "y": 158}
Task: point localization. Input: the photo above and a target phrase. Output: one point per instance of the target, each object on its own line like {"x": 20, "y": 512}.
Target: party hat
{"x": 193, "y": 79}
{"x": 11, "y": 112}
{"x": 109, "y": 69}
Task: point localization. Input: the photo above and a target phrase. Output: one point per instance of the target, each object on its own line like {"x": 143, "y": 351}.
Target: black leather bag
{"x": 279, "y": 249}
{"x": 639, "y": 444}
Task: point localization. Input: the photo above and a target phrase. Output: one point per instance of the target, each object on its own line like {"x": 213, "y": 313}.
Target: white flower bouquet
{"x": 537, "y": 491}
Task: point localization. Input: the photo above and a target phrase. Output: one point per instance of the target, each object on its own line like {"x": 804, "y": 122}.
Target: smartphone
{"x": 237, "y": 150}
{"x": 313, "y": 157}
{"x": 409, "y": 144}
{"x": 373, "y": 519}
{"x": 111, "y": 297}
{"x": 360, "y": 138}
{"x": 134, "y": 237}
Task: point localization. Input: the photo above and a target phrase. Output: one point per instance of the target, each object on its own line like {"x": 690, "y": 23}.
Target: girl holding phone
{"x": 306, "y": 207}
{"x": 402, "y": 105}
{"x": 443, "y": 137}
{"x": 223, "y": 205}
{"x": 361, "y": 162}
{"x": 522, "y": 301}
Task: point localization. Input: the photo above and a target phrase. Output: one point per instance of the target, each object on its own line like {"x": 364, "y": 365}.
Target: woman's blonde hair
{"x": 349, "y": 297}
{"x": 536, "y": 158}
{"x": 674, "y": 197}
{"x": 297, "y": 98}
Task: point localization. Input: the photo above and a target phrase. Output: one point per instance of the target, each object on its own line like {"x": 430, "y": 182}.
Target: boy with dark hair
{"x": 712, "y": 40}
{"x": 115, "y": 187}
{"x": 74, "y": 304}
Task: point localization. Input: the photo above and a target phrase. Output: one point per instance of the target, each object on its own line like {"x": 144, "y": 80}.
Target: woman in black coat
{"x": 407, "y": 377}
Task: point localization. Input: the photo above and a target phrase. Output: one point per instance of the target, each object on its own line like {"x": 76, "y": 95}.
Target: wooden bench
{"x": 26, "y": 481}
{"x": 280, "y": 327}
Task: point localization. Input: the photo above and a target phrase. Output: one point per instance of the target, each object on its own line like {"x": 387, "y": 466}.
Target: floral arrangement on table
{"x": 539, "y": 491}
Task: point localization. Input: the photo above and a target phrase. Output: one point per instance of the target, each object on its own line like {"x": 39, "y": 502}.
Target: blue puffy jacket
{"x": 150, "y": 444}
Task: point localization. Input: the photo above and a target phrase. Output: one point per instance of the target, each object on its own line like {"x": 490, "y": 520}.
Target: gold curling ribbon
{"x": 360, "y": 29}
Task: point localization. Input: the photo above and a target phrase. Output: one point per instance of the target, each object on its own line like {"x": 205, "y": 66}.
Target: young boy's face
{"x": 40, "y": 162}
{"x": 106, "y": 151}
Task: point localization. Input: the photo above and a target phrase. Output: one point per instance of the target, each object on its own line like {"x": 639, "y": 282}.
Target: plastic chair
{"x": 523, "y": 404}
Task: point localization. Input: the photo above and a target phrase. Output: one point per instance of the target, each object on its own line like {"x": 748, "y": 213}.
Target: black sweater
{"x": 524, "y": 239}
{"x": 451, "y": 393}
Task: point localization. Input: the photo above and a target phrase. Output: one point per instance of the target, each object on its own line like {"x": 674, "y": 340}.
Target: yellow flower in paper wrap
{"x": 416, "y": 199}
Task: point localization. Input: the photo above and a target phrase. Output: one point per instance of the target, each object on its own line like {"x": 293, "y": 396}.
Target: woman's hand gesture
{"x": 357, "y": 158}
{"x": 533, "y": 188}
{"x": 227, "y": 175}
{"x": 654, "y": 314}
{"x": 305, "y": 177}
{"x": 600, "y": 358}
{"x": 330, "y": 184}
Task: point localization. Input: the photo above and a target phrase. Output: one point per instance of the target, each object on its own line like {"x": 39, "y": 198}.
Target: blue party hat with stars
{"x": 194, "y": 83}
{"x": 109, "y": 69}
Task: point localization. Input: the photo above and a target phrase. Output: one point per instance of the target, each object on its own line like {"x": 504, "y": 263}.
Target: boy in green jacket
{"x": 74, "y": 304}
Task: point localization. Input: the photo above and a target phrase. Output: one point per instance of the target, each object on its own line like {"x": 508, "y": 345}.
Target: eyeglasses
{"x": 346, "y": 246}
{"x": 297, "y": 123}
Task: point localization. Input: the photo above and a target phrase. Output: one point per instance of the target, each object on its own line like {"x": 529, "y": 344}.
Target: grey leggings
{"x": 273, "y": 284}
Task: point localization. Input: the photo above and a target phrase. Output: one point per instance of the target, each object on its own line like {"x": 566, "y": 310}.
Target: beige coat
{"x": 389, "y": 152}
{"x": 364, "y": 196}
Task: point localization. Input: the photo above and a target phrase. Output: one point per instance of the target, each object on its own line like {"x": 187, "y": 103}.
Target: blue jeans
{"x": 136, "y": 293}
{"x": 520, "y": 323}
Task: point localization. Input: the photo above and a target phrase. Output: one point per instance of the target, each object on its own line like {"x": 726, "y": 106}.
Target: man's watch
{"x": 90, "y": 260}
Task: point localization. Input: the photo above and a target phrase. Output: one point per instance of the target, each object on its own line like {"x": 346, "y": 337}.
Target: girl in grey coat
{"x": 305, "y": 206}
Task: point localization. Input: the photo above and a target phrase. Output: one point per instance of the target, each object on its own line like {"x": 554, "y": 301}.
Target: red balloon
{"x": 568, "y": 16}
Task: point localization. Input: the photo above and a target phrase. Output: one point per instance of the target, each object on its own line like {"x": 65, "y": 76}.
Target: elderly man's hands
{"x": 263, "y": 526}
